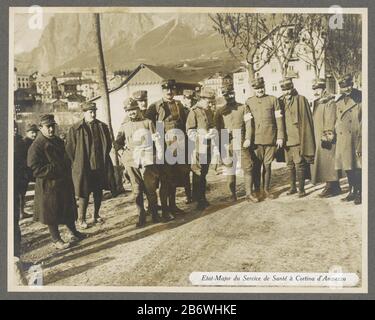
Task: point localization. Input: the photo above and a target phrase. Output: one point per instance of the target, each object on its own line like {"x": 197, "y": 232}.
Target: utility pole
{"x": 104, "y": 93}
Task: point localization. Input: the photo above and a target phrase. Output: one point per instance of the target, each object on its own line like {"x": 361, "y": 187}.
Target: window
{"x": 274, "y": 87}
{"x": 291, "y": 68}
{"x": 274, "y": 70}
{"x": 244, "y": 91}
{"x": 308, "y": 67}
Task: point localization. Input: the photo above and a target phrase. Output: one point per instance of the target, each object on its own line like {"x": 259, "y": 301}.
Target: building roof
{"x": 75, "y": 97}
{"x": 71, "y": 75}
{"x": 184, "y": 76}
{"x": 78, "y": 82}
{"x": 45, "y": 78}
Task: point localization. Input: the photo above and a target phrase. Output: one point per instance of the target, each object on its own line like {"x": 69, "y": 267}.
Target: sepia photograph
{"x": 188, "y": 149}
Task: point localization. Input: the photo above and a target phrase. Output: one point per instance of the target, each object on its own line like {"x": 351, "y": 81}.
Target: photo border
{"x": 216, "y": 290}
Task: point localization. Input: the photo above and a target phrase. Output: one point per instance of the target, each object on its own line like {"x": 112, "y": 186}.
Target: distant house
{"x": 74, "y": 102}
{"x": 22, "y": 80}
{"x": 218, "y": 81}
{"x": 60, "y": 105}
{"x": 149, "y": 78}
{"x": 85, "y": 87}
{"x": 47, "y": 87}
{"x": 67, "y": 76}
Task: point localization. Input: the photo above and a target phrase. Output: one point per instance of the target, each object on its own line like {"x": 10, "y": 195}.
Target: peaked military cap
{"x": 32, "y": 127}
{"x": 140, "y": 95}
{"x": 130, "y": 104}
{"x": 87, "y": 105}
{"x": 286, "y": 84}
{"x": 47, "y": 119}
{"x": 168, "y": 84}
{"x": 319, "y": 83}
{"x": 258, "y": 83}
{"x": 346, "y": 81}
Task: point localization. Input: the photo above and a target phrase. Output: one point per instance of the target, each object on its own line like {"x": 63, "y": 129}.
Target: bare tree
{"x": 104, "y": 89}
{"x": 245, "y": 35}
{"x": 344, "y": 49}
{"x": 313, "y": 42}
{"x": 285, "y": 39}
{"x": 257, "y": 38}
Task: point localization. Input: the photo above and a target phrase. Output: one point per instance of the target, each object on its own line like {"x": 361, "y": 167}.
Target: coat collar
{"x": 343, "y": 108}
{"x": 82, "y": 122}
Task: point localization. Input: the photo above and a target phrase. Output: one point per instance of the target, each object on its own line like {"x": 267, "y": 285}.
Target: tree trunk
{"x": 251, "y": 72}
{"x": 104, "y": 93}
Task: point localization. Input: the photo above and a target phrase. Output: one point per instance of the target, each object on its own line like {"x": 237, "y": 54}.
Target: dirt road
{"x": 282, "y": 235}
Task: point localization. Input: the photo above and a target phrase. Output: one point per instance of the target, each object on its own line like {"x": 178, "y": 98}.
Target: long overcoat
{"x": 303, "y": 119}
{"x": 349, "y": 131}
{"x": 159, "y": 112}
{"x": 54, "y": 199}
{"x": 77, "y": 147}
{"x": 324, "y": 115}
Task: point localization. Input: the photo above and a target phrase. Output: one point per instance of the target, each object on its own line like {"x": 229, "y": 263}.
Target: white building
{"x": 47, "y": 87}
{"x": 217, "y": 82}
{"x": 302, "y": 73}
{"x": 22, "y": 80}
{"x": 144, "y": 77}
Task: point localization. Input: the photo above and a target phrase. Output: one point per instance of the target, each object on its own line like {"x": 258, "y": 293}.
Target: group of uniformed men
{"x": 326, "y": 138}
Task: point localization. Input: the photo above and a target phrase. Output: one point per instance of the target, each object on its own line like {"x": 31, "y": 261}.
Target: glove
{"x": 246, "y": 144}
{"x": 279, "y": 143}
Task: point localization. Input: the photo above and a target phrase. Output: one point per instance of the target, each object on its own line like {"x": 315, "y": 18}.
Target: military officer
{"x": 141, "y": 97}
{"x": 31, "y": 133}
{"x": 54, "y": 191}
{"x": 171, "y": 114}
{"x": 349, "y": 137}
{"x": 233, "y": 120}
{"x": 268, "y": 132}
{"x": 188, "y": 100}
{"x": 88, "y": 145}
{"x": 299, "y": 133}
{"x": 19, "y": 174}
{"x": 324, "y": 116}
{"x": 199, "y": 127}
{"x": 136, "y": 137}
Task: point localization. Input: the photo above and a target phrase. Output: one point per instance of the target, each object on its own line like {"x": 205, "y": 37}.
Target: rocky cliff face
{"x": 128, "y": 39}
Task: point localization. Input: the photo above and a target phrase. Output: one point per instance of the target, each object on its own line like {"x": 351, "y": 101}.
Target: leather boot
{"x": 142, "y": 219}
{"x": 301, "y": 183}
{"x": 292, "y": 179}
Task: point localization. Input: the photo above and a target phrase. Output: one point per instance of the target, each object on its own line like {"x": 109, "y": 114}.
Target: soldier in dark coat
{"x": 88, "y": 146}
{"x": 234, "y": 121}
{"x": 349, "y": 137}
{"x": 31, "y": 133}
{"x": 172, "y": 115}
{"x": 268, "y": 132}
{"x": 19, "y": 173}
{"x": 324, "y": 116}
{"x": 201, "y": 129}
{"x": 299, "y": 133}
{"x": 136, "y": 137}
{"x": 54, "y": 200}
